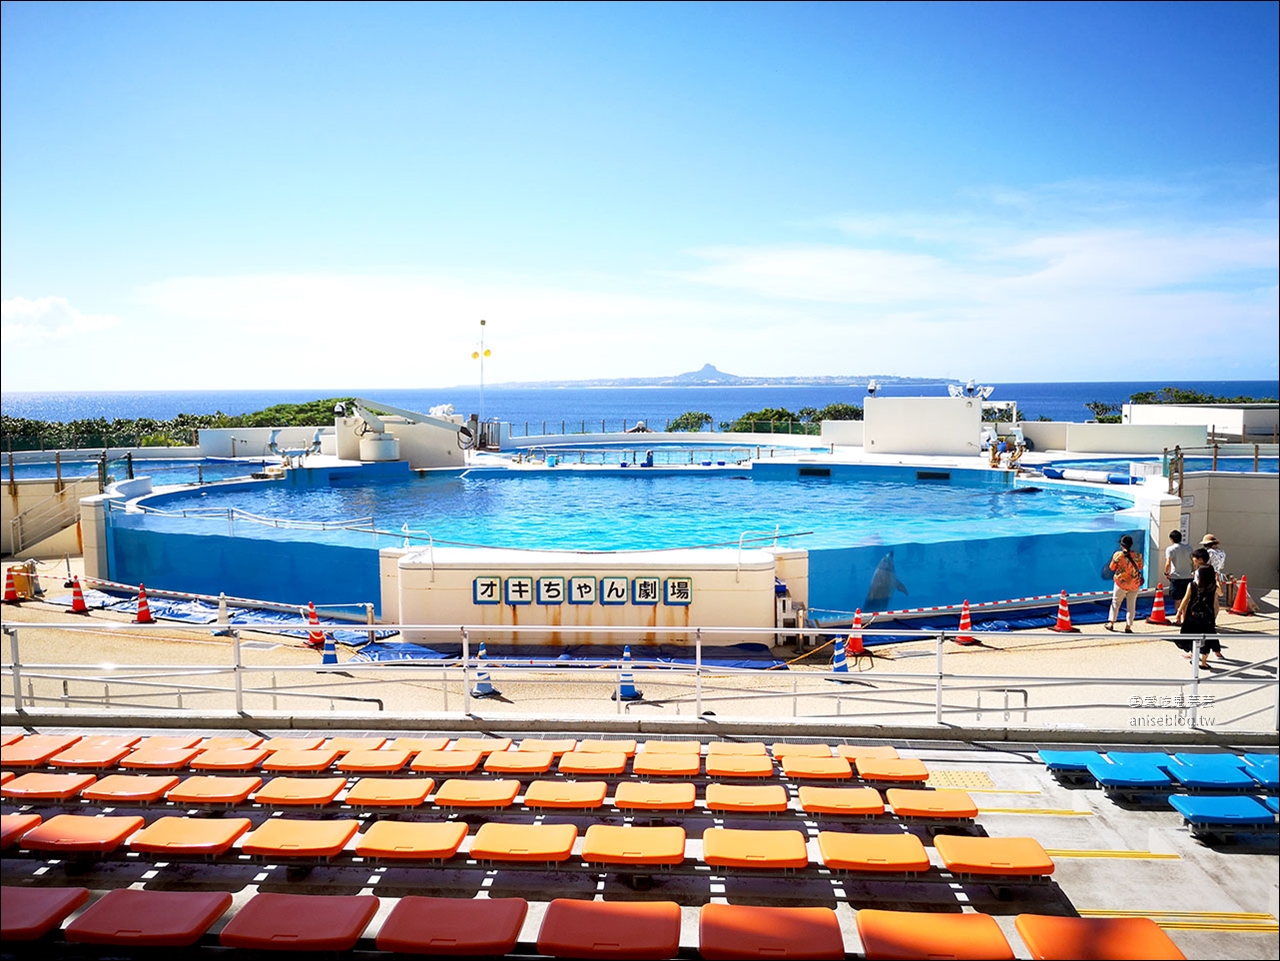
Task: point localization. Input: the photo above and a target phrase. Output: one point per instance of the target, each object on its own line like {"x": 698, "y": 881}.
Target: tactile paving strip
{"x": 960, "y": 779}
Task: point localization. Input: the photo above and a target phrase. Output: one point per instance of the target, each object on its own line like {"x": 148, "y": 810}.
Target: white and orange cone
{"x": 966, "y": 625}
{"x": 144, "y": 609}
{"x": 854, "y": 644}
{"x": 316, "y": 637}
{"x": 1064, "y": 617}
{"x": 78, "y": 606}
{"x": 1241, "y": 606}
{"x": 1158, "y": 615}
{"x": 10, "y": 588}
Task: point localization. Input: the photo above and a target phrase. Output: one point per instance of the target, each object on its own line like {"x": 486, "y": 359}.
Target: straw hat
{"x": 1208, "y": 540}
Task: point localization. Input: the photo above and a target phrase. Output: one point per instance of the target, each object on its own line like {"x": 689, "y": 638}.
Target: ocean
{"x": 578, "y": 408}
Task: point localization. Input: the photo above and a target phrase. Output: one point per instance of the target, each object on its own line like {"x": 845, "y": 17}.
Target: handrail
{"x": 49, "y": 515}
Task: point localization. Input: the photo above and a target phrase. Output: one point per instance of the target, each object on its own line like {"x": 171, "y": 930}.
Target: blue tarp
{"x": 204, "y": 612}
{"x": 757, "y": 656}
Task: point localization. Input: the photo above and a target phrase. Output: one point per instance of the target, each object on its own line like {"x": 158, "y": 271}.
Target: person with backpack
{"x": 1127, "y": 568}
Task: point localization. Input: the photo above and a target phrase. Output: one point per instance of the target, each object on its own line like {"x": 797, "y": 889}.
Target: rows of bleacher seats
{"x": 152, "y": 798}
{"x": 1219, "y": 794}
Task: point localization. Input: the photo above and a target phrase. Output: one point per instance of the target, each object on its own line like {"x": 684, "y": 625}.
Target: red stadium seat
{"x": 610, "y": 929}
{"x": 300, "y": 922}
{"x": 28, "y": 914}
{"x": 453, "y": 926}
{"x": 727, "y": 931}
{"x": 168, "y": 919}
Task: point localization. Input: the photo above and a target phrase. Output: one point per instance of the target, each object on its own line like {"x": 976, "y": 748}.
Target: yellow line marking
{"x": 980, "y": 790}
{"x": 1055, "y": 812}
{"x": 1229, "y": 915}
{"x": 1124, "y": 855}
{"x": 1236, "y": 922}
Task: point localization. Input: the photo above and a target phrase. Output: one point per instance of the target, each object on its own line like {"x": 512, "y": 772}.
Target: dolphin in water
{"x": 883, "y": 583}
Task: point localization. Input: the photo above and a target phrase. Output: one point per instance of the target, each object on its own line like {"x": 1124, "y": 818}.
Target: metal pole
{"x": 235, "y": 649}
{"x": 368, "y": 619}
{"x": 466, "y": 672}
{"x": 697, "y": 672}
{"x": 1197, "y": 644}
{"x": 1255, "y": 458}
{"x": 57, "y": 466}
{"x": 1215, "y": 456}
{"x": 937, "y": 695}
{"x": 17, "y": 666}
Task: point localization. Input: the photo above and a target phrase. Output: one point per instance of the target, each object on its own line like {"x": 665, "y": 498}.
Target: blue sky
{"x": 246, "y": 195}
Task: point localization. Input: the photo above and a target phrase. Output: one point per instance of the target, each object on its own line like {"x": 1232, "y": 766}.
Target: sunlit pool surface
{"x": 1266, "y": 465}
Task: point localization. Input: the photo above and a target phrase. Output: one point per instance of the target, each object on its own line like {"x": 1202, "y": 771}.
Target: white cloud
{"x": 24, "y": 321}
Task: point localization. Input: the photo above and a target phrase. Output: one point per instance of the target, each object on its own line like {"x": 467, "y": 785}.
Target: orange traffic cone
{"x": 316, "y": 638}
{"x": 1064, "y": 617}
{"x": 78, "y": 606}
{"x": 964, "y": 637}
{"x": 10, "y": 588}
{"x": 1157, "y": 608}
{"x": 854, "y": 644}
{"x": 144, "y": 609}
{"x": 1241, "y": 606}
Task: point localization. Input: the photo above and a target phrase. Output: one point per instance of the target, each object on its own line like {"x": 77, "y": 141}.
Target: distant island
{"x": 711, "y": 376}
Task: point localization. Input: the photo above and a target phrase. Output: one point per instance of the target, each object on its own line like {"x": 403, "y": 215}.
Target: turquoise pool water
{"x": 1266, "y": 465}
{"x": 878, "y": 538}
{"x": 178, "y": 471}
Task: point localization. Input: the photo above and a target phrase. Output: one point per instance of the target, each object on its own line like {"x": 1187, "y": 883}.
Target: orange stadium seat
{"x": 94, "y": 752}
{"x": 412, "y": 840}
{"x": 35, "y": 750}
{"x": 557, "y": 746}
{"x": 46, "y": 787}
{"x": 608, "y": 746}
{"x": 130, "y": 788}
{"x": 1023, "y": 857}
{"x": 524, "y": 842}
{"x": 592, "y": 762}
{"x": 231, "y": 760}
{"x": 783, "y": 749}
{"x": 300, "y": 922}
{"x": 148, "y": 758}
{"x": 888, "y": 770}
{"x": 453, "y": 926}
{"x": 739, "y": 765}
{"x": 895, "y": 935}
{"x": 387, "y": 792}
{"x": 446, "y": 762}
{"x": 577, "y": 795}
{"x": 28, "y": 914}
{"x": 194, "y": 837}
{"x": 852, "y": 752}
{"x": 465, "y": 793}
{"x": 7, "y": 739}
{"x": 206, "y": 790}
{"x": 842, "y": 801}
{"x": 345, "y": 745}
{"x": 1095, "y": 939}
{"x": 798, "y": 766}
{"x": 671, "y": 747}
{"x": 608, "y": 844}
{"x": 281, "y": 837}
{"x": 313, "y": 743}
{"x": 747, "y": 798}
{"x": 519, "y": 762}
{"x": 301, "y": 762}
{"x": 416, "y": 744}
{"x": 610, "y": 929}
{"x": 299, "y": 791}
{"x": 749, "y": 748}
{"x": 6, "y": 777}
{"x": 932, "y": 805}
{"x": 162, "y": 742}
{"x": 483, "y": 745}
{"x": 80, "y": 834}
{"x": 245, "y": 743}
{"x": 14, "y": 826}
{"x": 372, "y": 762}
{"x": 727, "y": 931}
{"x": 890, "y": 853}
{"x": 770, "y": 849}
{"x": 643, "y": 796}
{"x": 157, "y": 919}
{"x": 663, "y": 764}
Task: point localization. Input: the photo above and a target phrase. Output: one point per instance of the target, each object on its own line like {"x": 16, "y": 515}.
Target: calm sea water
{"x": 578, "y": 408}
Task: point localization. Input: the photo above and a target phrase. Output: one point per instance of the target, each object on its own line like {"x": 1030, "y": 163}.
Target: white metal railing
{"x": 941, "y": 696}
{"x": 54, "y": 513}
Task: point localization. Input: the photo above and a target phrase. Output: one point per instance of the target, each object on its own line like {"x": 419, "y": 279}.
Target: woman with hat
{"x": 1217, "y": 559}
{"x": 1198, "y": 610}
{"x": 1127, "y": 566}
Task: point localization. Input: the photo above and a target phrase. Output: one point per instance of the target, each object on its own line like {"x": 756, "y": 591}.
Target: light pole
{"x": 480, "y": 355}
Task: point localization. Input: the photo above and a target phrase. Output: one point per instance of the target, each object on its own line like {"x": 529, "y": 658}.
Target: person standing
{"x": 1218, "y": 561}
{"x": 1177, "y": 568}
{"x": 1198, "y": 611}
{"x": 1127, "y": 567}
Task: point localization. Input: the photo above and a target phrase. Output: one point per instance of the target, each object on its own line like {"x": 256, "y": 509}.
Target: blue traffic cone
{"x": 839, "y": 663}
{"x": 627, "y": 686}
{"x": 483, "y": 688}
{"x": 330, "y": 653}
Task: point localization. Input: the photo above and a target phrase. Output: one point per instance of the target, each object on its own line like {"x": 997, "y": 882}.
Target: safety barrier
{"x": 282, "y": 675}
